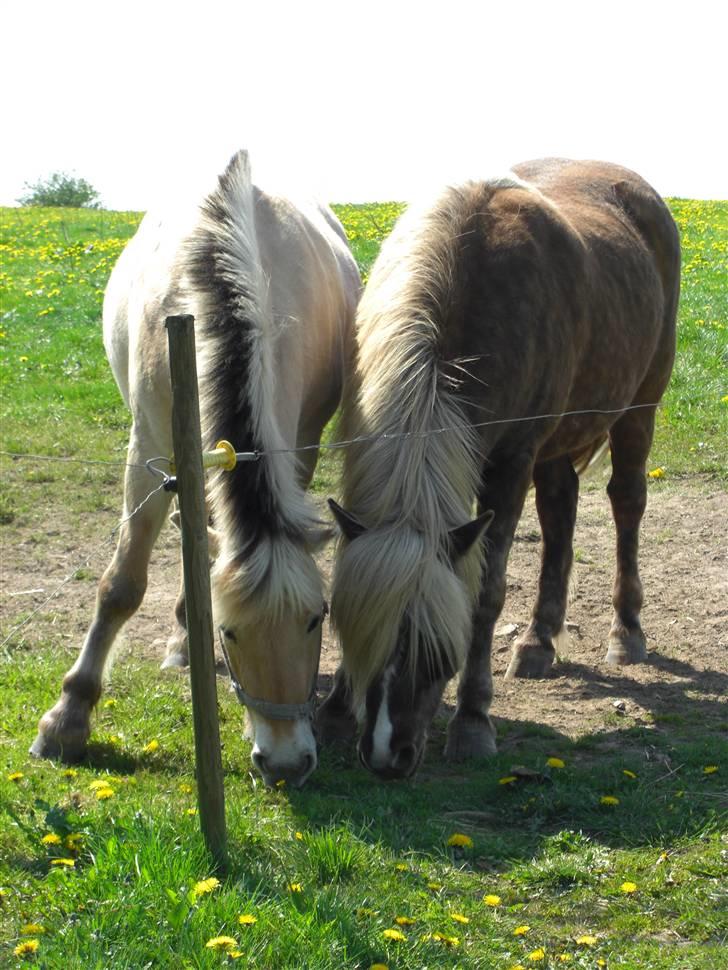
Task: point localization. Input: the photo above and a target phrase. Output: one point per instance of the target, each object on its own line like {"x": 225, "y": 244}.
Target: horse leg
{"x": 335, "y": 720}
{"x": 64, "y": 730}
{"x": 630, "y": 440}
{"x": 557, "y": 493}
{"x": 471, "y": 733}
{"x": 177, "y": 648}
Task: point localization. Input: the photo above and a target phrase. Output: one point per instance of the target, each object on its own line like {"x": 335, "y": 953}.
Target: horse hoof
{"x": 62, "y": 735}
{"x": 471, "y": 738}
{"x": 175, "y": 660}
{"x": 626, "y": 647}
{"x": 530, "y": 660}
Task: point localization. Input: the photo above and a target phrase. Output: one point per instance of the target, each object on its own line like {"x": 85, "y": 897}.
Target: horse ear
{"x": 464, "y": 536}
{"x": 349, "y": 525}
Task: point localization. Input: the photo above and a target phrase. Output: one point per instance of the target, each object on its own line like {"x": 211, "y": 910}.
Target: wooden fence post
{"x": 193, "y": 514}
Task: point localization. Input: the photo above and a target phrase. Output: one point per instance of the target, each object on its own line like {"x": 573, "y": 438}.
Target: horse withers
{"x": 508, "y": 331}
{"x": 273, "y": 288}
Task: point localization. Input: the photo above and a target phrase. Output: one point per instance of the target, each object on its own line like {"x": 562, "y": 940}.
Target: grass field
{"x": 614, "y": 856}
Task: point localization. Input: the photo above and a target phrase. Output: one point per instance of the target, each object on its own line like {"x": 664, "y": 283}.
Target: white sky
{"x": 363, "y": 100}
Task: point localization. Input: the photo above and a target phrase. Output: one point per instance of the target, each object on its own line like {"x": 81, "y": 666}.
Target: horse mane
{"x": 409, "y": 491}
{"x": 259, "y": 508}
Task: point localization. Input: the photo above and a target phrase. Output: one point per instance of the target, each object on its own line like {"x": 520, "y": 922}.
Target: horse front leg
{"x": 64, "y": 730}
{"x": 630, "y": 440}
{"x": 557, "y": 494}
{"x": 335, "y": 721}
{"x": 471, "y": 733}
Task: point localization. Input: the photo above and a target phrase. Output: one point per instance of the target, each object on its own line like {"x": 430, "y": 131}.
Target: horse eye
{"x": 230, "y": 635}
{"x": 313, "y": 624}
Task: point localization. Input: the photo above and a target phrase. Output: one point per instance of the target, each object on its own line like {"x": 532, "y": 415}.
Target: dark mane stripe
{"x": 223, "y": 267}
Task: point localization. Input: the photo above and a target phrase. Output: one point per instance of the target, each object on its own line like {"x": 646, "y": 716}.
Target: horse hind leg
{"x": 630, "y": 440}
{"x": 64, "y": 730}
{"x": 557, "y": 493}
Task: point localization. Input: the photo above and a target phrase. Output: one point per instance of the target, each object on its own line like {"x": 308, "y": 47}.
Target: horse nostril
{"x": 404, "y": 759}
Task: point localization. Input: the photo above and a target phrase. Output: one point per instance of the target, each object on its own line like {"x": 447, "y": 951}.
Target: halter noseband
{"x": 270, "y": 709}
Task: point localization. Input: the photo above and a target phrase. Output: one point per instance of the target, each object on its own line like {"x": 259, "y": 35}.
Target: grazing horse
{"x": 507, "y": 332}
{"x": 273, "y": 288}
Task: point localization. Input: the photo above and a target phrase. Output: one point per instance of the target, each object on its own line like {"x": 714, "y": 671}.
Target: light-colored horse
{"x": 273, "y": 288}
{"x": 549, "y": 291}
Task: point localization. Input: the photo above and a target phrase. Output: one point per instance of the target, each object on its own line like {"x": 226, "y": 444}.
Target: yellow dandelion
{"x": 396, "y": 935}
{"x": 724, "y": 399}
{"x": 67, "y": 863}
{"x": 628, "y": 774}
{"x": 112, "y": 702}
{"x": 656, "y": 473}
{"x": 26, "y": 947}
{"x": 73, "y": 841}
{"x": 186, "y": 788}
{"x": 247, "y": 919}
{"x": 70, "y": 773}
{"x": 404, "y": 920}
{"x": 444, "y": 938}
{"x": 507, "y": 780}
{"x": 536, "y": 956}
{"x": 105, "y": 793}
{"x": 32, "y": 929}
{"x": 22, "y": 359}
{"x": 517, "y": 966}
{"x": 461, "y": 841}
{"x": 710, "y": 769}
{"x": 459, "y": 918}
{"x": 235, "y": 954}
{"x": 586, "y": 940}
{"x": 565, "y": 957}
{"x": 151, "y": 747}
{"x": 191, "y": 811}
{"x": 379, "y": 966}
{"x": 401, "y": 867}
{"x": 15, "y": 776}
{"x": 205, "y": 886}
{"x": 629, "y": 887}
{"x": 224, "y": 943}
{"x": 521, "y": 930}
{"x": 299, "y": 836}
{"x": 555, "y": 763}
{"x": 492, "y": 900}
{"x": 99, "y": 783}
{"x": 295, "y": 887}
{"x": 51, "y": 839}
{"x": 608, "y": 800}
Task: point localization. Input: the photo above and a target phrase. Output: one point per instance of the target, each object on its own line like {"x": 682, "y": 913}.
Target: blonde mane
{"x": 410, "y": 491}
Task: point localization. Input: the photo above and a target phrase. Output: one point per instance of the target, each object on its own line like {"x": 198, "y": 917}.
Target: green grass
{"x": 362, "y": 852}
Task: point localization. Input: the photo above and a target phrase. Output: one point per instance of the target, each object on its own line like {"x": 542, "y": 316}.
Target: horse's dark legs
{"x": 335, "y": 720}
{"x": 471, "y": 733}
{"x": 557, "y": 492}
{"x": 630, "y": 440}
{"x": 64, "y": 730}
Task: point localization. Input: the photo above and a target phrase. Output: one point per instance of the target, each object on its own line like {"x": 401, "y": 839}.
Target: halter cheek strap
{"x": 270, "y": 709}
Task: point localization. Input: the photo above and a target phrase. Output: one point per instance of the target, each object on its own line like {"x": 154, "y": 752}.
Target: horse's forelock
{"x": 274, "y": 575}
{"x": 387, "y": 574}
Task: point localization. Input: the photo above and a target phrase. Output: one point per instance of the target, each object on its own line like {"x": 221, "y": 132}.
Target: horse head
{"x": 271, "y": 644}
{"x": 404, "y": 617}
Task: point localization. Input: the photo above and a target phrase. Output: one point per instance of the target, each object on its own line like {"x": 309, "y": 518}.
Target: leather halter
{"x": 270, "y": 709}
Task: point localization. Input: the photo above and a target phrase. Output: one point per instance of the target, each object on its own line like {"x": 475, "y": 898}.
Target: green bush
{"x": 61, "y": 189}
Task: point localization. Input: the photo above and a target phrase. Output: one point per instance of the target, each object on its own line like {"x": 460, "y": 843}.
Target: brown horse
{"x": 507, "y": 332}
{"x": 273, "y": 288}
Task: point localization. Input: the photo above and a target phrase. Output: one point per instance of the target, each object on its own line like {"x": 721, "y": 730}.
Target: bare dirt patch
{"x": 684, "y": 567}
